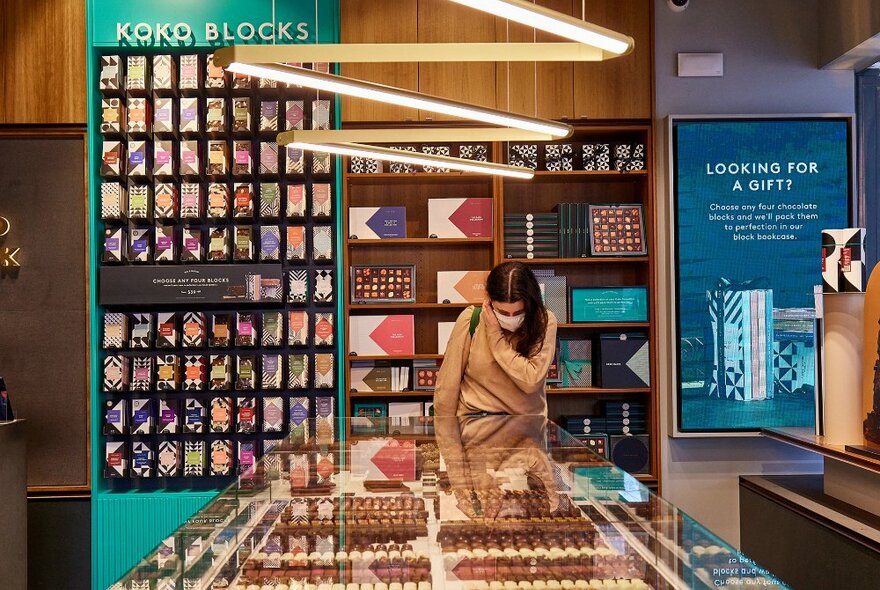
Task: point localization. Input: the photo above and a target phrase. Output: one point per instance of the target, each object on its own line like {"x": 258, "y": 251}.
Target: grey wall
{"x": 771, "y": 51}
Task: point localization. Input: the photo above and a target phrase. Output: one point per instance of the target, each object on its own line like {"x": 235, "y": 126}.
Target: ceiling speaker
{"x": 631, "y": 453}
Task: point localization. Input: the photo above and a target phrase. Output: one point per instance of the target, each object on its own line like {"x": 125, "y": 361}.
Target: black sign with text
{"x": 158, "y": 285}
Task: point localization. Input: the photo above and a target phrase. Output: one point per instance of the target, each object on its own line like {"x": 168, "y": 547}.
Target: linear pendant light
{"x": 410, "y": 135}
{"x": 408, "y": 53}
{"x": 415, "y": 158}
{"x": 557, "y": 23}
{"x": 398, "y": 96}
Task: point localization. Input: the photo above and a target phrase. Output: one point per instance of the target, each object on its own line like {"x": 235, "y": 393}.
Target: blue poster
{"x": 751, "y": 199}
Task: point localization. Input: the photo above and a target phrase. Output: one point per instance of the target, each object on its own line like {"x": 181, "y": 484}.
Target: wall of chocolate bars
{"x": 191, "y": 174}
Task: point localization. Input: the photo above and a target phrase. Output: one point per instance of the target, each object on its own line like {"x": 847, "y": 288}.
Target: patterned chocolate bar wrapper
{"x": 322, "y": 243}
{"x": 111, "y": 74}
{"x": 296, "y": 201}
{"x": 218, "y": 162}
{"x": 194, "y": 373}
{"x": 116, "y": 373}
{"x": 436, "y": 150}
{"x": 322, "y": 199}
{"x": 136, "y": 72}
{"x": 324, "y": 371}
{"x": 221, "y": 457}
{"x": 194, "y": 458}
{"x": 297, "y": 286}
{"x": 297, "y": 328}
{"x": 111, "y": 200}
{"x": 189, "y": 116}
{"x": 190, "y": 200}
{"x": 167, "y": 372}
{"x": 298, "y": 371}
{"x": 193, "y": 329}
{"x": 241, "y": 163}
{"x": 246, "y": 329}
{"x": 268, "y": 157}
{"x": 273, "y": 329}
{"x": 136, "y": 116}
{"x": 216, "y": 77}
{"x": 295, "y": 161}
{"x": 323, "y": 281}
{"x": 221, "y": 372}
{"x": 272, "y": 367}
{"x": 162, "y": 72}
{"x": 142, "y": 461}
{"x": 137, "y": 158}
{"x": 169, "y": 458}
{"x": 220, "y": 330}
{"x": 194, "y": 416}
{"x": 115, "y": 327}
{"x": 273, "y": 414}
{"x": 192, "y": 245}
{"x": 141, "y": 373}
{"x": 269, "y": 115}
{"x": 111, "y": 115}
{"x": 163, "y": 109}
{"x": 270, "y": 200}
{"x": 189, "y": 72}
{"x": 215, "y": 119}
{"x": 321, "y": 163}
{"x": 141, "y": 330}
{"x": 221, "y": 414}
{"x": 271, "y": 289}
{"x": 241, "y": 114}
{"x": 320, "y": 114}
{"x": 270, "y": 243}
{"x": 169, "y": 416}
{"x": 247, "y": 415}
{"x": 324, "y": 329}
{"x": 246, "y": 373}
{"x": 296, "y": 243}
{"x": 218, "y": 201}
{"x": 294, "y": 115}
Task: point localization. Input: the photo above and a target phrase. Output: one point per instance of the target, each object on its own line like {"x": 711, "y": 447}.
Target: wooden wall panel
{"x": 380, "y": 21}
{"x": 555, "y": 95}
{"x": 441, "y": 21}
{"x": 42, "y": 61}
{"x": 620, "y": 88}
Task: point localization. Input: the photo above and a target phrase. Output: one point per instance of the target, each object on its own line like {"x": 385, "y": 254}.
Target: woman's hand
{"x": 489, "y": 315}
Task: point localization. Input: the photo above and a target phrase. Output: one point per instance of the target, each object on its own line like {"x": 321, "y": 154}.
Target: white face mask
{"x": 510, "y": 323}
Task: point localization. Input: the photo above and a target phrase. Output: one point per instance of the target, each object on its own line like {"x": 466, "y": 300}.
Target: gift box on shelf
{"x": 376, "y": 223}
{"x": 625, "y": 361}
{"x": 460, "y": 218}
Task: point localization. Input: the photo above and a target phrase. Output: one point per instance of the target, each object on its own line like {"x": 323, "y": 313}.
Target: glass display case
{"x": 471, "y": 503}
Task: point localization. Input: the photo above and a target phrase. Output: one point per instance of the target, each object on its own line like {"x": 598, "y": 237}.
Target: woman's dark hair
{"x": 510, "y": 282}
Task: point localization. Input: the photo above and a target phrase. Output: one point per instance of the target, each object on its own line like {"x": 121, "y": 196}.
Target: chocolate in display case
{"x": 472, "y": 503}
{"x": 202, "y": 365}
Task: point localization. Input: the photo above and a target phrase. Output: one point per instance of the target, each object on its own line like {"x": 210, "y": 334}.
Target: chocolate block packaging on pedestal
{"x": 298, "y": 415}
{"x": 297, "y": 328}
{"x": 246, "y": 331}
{"x": 114, "y": 244}
{"x": 191, "y": 204}
{"x": 169, "y": 458}
{"x": 246, "y": 372}
{"x": 219, "y": 205}
{"x": 217, "y": 157}
{"x": 139, "y": 251}
{"x": 167, "y": 332}
{"x": 189, "y": 116}
{"x": 244, "y": 201}
{"x": 115, "y": 330}
{"x": 189, "y": 158}
{"x": 115, "y": 417}
{"x": 296, "y": 201}
{"x": 268, "y": 157}
{"x": 216, "y": 77}
{"x": 194, "y": 458}
{"x": 215, "y": 117}
{"x": 221, "y": 414}
{"x": 243, "y": 250}
{"x": 271, "y": 365}
{"x": 139, "y": 201}
{"x": 163, "y": 72}
{"x": 142, "y": 373}
{"x": 111, "y": 73}
{"x": 116, "y": 373}
{"x": 220, "y": 330}
{"x": 191, "y": 239}
{"x": 323, "y": 282}
{"x": 297, "y": 286}
{"x": 241, "y": 114}
{"x": 194, "y": 372}
{"x": 163, "y": 115}
{"x": 295, "y": 159}
{"x": 137, "y": 120}
{"x": 112, "y": 115}
{"x": 137, "y": 158}
{"x": 219, "y": 244}
{"x": 324, "y": 329}
{"x": 142, "y": 421}
{"x": 136, "y": 72}
{"x": 167, "y": 372}
{"x": 163, "y": 157}
{"x": 193, "y": 329}
{"x": 165, "y": 246}
{"x": 273, "y": 414}
{"x": 270, "y": 243}
{"x": 296, "y": 243}
{"x": 169, "y": 416}
{"x": 141, "y": 330}
{"x": 269, "y": 115}
{"x": 221, "y": 457}
{"x": 194, "y": 416}
{"x": 113, "y": 159}
{"x": 221, "y": 372}
{"x": 273, "y": 329}
{"x": 325, "y": 375}
{"x": 321, "y": 163}
{"x": 298, "y": 371}
{"x": 115, "y": 460}
{"x": 294, "y": 115}
{"x": 112, "y": 200}
{"x": 246, "y": 416}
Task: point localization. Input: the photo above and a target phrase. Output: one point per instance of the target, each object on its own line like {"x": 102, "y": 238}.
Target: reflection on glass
{"x": 470, "y": 503}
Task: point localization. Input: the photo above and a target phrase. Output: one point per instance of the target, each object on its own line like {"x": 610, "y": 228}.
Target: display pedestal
{"x": 843, "y": 353}
{"x": 13, "y": 506}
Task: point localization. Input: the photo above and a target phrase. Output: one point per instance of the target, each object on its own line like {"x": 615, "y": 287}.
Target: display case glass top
{"x": 472, "y": 503}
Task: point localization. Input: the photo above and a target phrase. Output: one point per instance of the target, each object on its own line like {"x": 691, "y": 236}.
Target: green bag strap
{"x": 475, "y": 319}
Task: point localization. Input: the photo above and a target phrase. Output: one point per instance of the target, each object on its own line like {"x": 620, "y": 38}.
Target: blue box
{"x": 609, "y": 304}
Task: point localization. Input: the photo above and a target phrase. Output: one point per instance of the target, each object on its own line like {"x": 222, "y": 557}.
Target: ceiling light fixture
{"x": 408, "y": 53}
{"x": 410, "y": 135}
{"x": 415, "y": 158}
{"x": 557, "y": 23}
{"x": 400, "y": 97}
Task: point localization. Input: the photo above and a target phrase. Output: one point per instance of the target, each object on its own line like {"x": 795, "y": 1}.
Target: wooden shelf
{"x": 604, "y": 325}
{"x": 421, "y": 242}
{"x": 584, "y": 175}
{"x": 646, "y": 478}
{"x": 591, "y": 260}
{"x": 362, "y": 394}
{"x": 414, "y": 357}
{"x": 371, "y": 306}
{"x": 595, "y": 390}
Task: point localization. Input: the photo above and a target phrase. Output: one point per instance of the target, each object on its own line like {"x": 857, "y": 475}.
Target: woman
{"x": 497, "y": 358}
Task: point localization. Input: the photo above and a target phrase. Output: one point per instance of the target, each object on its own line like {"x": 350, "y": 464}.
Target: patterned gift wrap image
{"x": 559, "y": 157}
{"x": 436, "y": 150}
{"x": 523, "y": 155}
{"x": 597, "y": 156}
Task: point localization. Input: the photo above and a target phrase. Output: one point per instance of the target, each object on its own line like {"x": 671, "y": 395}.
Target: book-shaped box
{"x": 461, "y": 286}
{"x": 625, "y": 361}
{"x": 460, "y": 218}
{"x": 382, "y": 335}
{"x": 368, "y": 376}
{"x": 609, "y": 304}
{"x": 383, "y": 283}
{"x": 843, "y": 260}
{"x": 376, "y": 223}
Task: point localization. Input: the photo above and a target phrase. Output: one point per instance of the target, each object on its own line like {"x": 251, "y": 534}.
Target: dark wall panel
{"x": 43, "y": 307}
{"x": 59, "y": 544}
